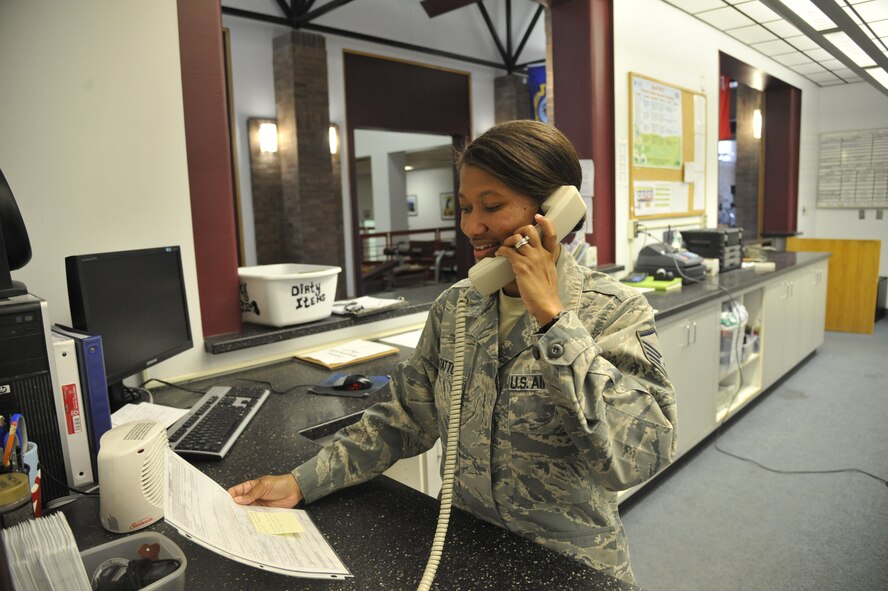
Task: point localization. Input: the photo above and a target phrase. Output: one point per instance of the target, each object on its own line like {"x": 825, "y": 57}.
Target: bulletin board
{"x": 667, "y": 149}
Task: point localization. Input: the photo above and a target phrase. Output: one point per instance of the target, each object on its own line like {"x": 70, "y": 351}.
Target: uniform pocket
{"x": 532, "y": 412}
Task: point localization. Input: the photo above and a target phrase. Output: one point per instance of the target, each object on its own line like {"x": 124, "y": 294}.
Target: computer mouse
{"x": 354, "y": 382}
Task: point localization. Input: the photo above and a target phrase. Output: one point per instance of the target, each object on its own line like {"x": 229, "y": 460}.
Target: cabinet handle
{"x": 688, "y": 334}
{"x": 695, "y": 333}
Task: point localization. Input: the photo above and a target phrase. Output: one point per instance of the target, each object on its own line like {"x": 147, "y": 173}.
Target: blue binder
{"x": 91, "y": 365}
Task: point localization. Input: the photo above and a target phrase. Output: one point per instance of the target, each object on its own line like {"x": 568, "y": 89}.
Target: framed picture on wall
{"x": 411, "y": 204}
{"x": 448, "y": 207}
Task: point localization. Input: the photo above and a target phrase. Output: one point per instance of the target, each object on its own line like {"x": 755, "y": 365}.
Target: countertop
{"x": 382, "y": 530}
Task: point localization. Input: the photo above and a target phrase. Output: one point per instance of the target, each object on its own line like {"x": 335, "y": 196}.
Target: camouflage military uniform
{"x": 552, "y": 425}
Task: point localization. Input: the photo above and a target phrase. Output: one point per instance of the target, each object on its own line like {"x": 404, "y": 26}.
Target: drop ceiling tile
{"x": 832, "y": 64}
{"x": 845, "y": 73}
{"x": 757, "y": 11}
{"x": 809, "y": 68}
{"x": 695, "y": 6}
{"x": 773, "y": 47}
{"x": 725, "y": 18}
{"x": 880, "y": 28}
{"x": 783, "y": 29}
{"x": 793, "y": 59}
{"x": 753, "y": 34}
{"x": 800, "y": 42}
{"x": 819, "y": 54}
{"x": 822, "y": 78}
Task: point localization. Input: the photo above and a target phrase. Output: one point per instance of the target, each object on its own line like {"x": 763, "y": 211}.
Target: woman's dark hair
{"x": 529, "y": 157}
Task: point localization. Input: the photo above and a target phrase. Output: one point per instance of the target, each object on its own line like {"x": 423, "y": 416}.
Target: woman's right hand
{"x": 268, "y": 491}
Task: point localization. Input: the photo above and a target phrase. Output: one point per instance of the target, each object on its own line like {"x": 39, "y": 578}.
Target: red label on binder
{"x": 72, "y": 409}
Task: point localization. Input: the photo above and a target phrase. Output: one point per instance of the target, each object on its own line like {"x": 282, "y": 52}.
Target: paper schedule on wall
{"x": 657, "y": 124}
{"x": 658, "y": 198}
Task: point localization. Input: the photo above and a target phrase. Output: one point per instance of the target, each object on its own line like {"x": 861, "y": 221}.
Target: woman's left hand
{"x": 534, "y": 268}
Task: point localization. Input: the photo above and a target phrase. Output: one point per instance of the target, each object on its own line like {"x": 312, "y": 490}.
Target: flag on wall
{"x": 536, "y": 86}
{"x": 724, "y": 109}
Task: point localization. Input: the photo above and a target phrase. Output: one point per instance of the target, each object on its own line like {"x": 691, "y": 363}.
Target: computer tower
{"x": 27, "y": 384}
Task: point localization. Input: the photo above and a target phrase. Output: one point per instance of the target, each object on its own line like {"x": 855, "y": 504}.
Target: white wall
{"x": 428, "y": 185}
{"x": 657, "y": 40}
{"x": 848, "y": 108}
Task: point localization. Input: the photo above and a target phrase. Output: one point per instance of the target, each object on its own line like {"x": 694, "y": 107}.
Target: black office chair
{"x": 15, "y": 247}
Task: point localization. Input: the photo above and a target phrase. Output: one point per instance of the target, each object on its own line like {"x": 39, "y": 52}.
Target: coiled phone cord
{"x": 450, "y": 454}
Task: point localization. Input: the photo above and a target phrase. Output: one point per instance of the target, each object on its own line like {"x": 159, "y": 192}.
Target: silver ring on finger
{"x": 521, "y": 242}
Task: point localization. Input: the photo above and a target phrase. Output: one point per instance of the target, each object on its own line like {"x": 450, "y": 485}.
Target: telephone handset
{"x": 564, "y": 207}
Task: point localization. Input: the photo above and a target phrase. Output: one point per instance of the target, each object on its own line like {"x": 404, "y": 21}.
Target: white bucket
{"x": 285, "y": 294}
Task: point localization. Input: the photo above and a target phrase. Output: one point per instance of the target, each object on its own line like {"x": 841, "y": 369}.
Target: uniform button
{"x": 556, "y": 350}
{"x": 536, "y": 353}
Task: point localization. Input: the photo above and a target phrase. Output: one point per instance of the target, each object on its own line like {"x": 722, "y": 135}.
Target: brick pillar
{"x": 312, "y": 211}
{"x": 511, "y": 100}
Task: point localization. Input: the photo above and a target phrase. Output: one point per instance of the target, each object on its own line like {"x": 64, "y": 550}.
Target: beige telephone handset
{"x": 564, "y": 207}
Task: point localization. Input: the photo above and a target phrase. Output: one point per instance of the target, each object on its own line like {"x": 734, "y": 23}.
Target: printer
{"x": 683, "y": 263}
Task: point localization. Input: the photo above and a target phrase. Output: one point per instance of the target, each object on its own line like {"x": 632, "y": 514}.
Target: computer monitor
{"x": 136, "y": 301}
{"x": 15, "y": 247}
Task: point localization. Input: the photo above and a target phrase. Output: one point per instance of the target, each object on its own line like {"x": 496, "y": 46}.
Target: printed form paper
{"x": 205, "y": 513}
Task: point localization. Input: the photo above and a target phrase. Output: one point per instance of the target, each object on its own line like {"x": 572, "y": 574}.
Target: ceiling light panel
{"x": 809, "y": 13}
{"x": 874, "y": 10}
{"x": 880, "y": 28}
{"x": 880, "y": 75}
{"x": 847, "y": 46}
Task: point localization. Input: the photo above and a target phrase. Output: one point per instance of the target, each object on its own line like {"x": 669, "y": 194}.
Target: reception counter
{"x": 383, "y": 530}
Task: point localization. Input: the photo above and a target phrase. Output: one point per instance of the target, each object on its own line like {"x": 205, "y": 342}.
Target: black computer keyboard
{"x": 214, "y": 423}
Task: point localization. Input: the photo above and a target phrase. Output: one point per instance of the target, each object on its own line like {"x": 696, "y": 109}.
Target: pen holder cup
{"x": 128, "y": 548}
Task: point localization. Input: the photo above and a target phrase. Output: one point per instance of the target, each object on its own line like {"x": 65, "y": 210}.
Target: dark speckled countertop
{"x": 671, "y": 303}
{"x": 382, "y": 530}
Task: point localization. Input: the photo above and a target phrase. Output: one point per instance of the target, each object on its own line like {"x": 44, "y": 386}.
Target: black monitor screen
{"x": 136, "y": 301}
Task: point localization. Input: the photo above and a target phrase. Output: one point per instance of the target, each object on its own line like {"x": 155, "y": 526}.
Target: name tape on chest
{"x": 529, "y": 381}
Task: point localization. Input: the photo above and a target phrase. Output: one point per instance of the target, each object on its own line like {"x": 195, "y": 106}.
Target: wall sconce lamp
{"x": 268, "y": 137}
{"x": 333, "y": 136}
{"x": 757, "y": 124}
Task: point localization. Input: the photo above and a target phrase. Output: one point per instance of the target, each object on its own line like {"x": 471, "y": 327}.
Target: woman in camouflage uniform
{"x": 565, "y": 399}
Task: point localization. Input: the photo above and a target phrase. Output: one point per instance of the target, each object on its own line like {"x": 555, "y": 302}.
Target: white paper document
{"x": 206, "y": 514}
{"x": 404, "y": 339}
{"x": 129, "y": 413}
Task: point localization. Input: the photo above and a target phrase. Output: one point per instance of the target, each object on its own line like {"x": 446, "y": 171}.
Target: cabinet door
{"x": 774, "y": 328}
{"x": 812, "y": 307}
{"x": 690, "y": 355}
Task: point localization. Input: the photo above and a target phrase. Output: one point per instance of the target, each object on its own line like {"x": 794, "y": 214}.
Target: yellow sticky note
{"x": 275, "y": 523}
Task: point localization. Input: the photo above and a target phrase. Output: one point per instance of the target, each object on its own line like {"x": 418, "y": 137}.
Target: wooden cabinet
{"x": 690, "y": 355}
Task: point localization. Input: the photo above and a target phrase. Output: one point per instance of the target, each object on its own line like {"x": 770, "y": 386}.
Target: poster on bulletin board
{"x": 667, "y": 149}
